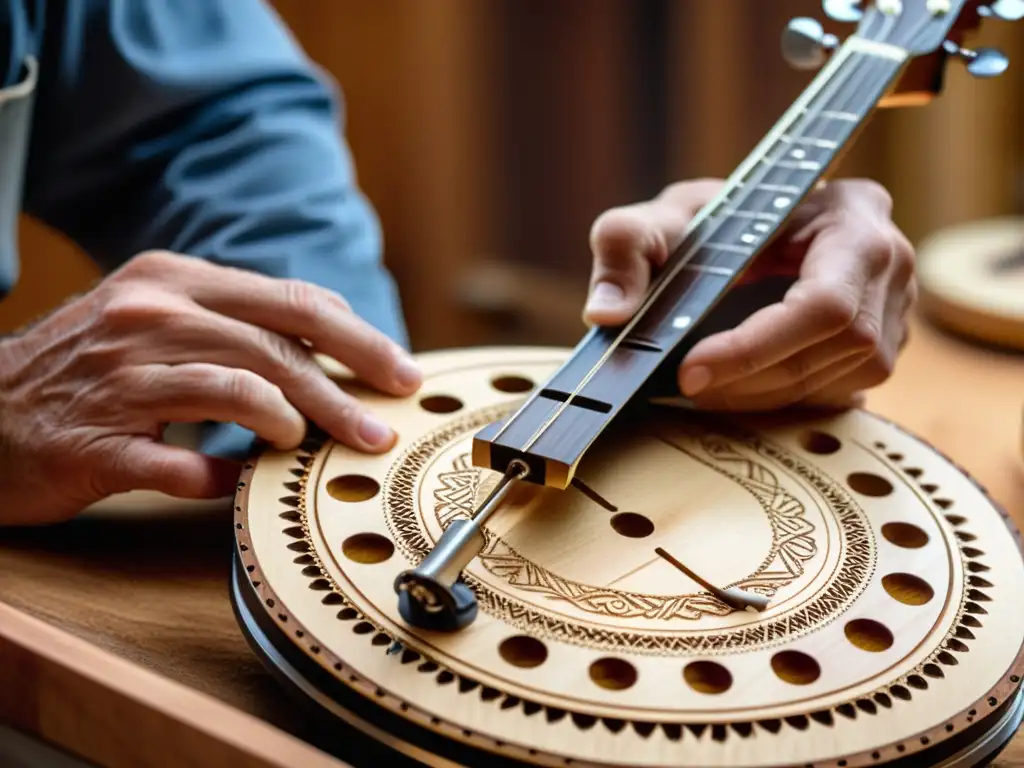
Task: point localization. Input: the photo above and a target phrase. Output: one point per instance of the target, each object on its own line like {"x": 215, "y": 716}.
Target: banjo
{"x": 972, "y": 280}
{"x": 554, "y": 568}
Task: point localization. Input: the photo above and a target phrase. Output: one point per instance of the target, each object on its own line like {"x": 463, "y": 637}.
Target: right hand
{"x": 86, "y": 393}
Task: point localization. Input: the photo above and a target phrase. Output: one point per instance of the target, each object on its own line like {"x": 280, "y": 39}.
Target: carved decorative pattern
{"x": 792, "y": 545}
{"x": 886, "y": 696}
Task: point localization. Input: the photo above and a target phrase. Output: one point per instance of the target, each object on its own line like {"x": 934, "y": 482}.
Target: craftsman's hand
{"x": 86, "y": 393}
{"x": 838, "y": 330}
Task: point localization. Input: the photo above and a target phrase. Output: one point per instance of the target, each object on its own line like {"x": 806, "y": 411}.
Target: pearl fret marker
{"x": 748, "y": 238}
{"x": 762, "y": 227}
{"x": 782, "y": 202}
{"x": 681, "y": 322}
{"x": 799, "y": 154}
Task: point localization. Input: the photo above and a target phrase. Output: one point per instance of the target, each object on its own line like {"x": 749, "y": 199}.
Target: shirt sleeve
{"x": 201, "y": 128}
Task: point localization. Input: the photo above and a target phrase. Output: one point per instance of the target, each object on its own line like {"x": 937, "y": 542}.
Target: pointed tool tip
{"x": 395, "y": 648}
{"x": 747, "y": 601}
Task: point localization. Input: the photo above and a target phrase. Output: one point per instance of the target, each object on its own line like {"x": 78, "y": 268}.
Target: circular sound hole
{"x": 353, "y": 488}
{"x": 632, "y": 525}
{"x": 368, "y": 548}
{"x": 820, "y": 443}
{"x": 440, "y": 404}
{"x": 868, "y": 484}
{"x": 795, "y": 667}
{"x": 905, "y": 535}
{"x": 869, "y": 635}
{"x": 512, "y": 384}
{"x": 707, "y": 677}
{"x": 907, "y": 588}
{"x": 613, "y": 674}
{"x": 523, "y": 651}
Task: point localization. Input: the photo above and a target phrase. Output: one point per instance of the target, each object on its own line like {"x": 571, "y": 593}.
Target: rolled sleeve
{"x": 201, "y": 128}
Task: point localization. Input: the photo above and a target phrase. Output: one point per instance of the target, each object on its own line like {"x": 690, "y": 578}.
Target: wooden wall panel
{"x": 489, "y": 135}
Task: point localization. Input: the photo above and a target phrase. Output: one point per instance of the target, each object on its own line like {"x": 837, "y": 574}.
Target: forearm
{"x": 215, "y": 138}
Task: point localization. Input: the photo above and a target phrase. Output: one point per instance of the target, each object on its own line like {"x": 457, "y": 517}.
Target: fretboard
{"x": 563, "y": 417}
{"x": 761, "y": 196}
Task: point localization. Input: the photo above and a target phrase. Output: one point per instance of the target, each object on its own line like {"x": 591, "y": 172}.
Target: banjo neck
{"x": 552, "y": 430}
{"x": 545, "y": 439}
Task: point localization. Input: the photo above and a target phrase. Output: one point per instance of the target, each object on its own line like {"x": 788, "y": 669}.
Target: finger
{"x": 198, "y": 392}
{"x": 203, "y": 336}
{"x": 794, "y": 372}
{"x": 727, "y": 399}
{"x": 627, "y": 242}
{"x": 876, "y": 368}
{"x": 866, "y": 376}
{"x": 840, "y": 265}
{"x": 302, "y": 310}
{"x": 144, "y": 465}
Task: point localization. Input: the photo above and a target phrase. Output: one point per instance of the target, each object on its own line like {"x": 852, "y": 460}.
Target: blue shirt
{"x": 196, "y": 126}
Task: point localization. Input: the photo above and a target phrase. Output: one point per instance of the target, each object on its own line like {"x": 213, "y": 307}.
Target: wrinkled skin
{"x": 838, "y": 330}
{"x": 87, "y": 392}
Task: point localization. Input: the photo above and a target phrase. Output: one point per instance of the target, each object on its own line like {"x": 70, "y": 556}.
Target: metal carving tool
{"x": 739, "y": 599}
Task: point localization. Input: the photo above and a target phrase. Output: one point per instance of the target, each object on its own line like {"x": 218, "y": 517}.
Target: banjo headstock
{"x": 928, "y": 31}
{"x": 920, "y": 27}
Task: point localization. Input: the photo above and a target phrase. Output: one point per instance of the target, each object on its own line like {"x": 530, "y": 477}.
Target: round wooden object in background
{"x": 894, "y": 629}
{"x": 972, "y": 280}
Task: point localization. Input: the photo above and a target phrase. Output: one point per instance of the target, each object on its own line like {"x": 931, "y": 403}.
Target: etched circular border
{"x": 858, "y": 553}
{"x": 998, "y": 695}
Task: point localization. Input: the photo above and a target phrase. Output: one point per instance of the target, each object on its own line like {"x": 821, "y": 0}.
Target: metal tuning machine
{"x": 984, "y": 62}
{"x": 1006, "y": 10}
{"x": 805, "y": 44}
{"x": 843, "y": 10}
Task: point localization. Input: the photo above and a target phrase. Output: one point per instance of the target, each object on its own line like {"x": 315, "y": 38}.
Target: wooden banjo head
{"x": 894, "y": 632}
{"x": 972, "y": 280}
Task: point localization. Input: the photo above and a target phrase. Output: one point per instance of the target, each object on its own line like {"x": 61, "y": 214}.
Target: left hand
{"x": 836, "y": 333}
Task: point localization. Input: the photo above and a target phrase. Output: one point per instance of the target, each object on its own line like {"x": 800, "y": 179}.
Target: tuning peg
{"x": 984, "y": 62}
{"x": 1007, "y": 10}
{"x": 843, "y": 10}
{"x": 805, "y": 44}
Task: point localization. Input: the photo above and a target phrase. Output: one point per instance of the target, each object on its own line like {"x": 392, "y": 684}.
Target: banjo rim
{"x": 292, "y": 663}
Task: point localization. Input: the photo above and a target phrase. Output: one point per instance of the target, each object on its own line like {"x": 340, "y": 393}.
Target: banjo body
{"x": 893, "y": 633}
{"x": 551, "y": 569}
{"x": 972, "y": 280}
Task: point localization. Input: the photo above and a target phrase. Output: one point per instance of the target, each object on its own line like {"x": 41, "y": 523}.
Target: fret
{"x": 786, "y": 189}
{"x": 799, "y": 165}
{"x": 672, "y": 314}
{"x": 832, "y": 114}
{"x": 740, "y": 213}
{"x": 742, "y": 230}
{"x": 793, "y": 181}
{"x": 721, "y": 259}
{"x": 820, "y": 156}
{"x": 804, "y": 142}
{"x": 723, "y": 271}
{"x": 766, "y": 201}
{"x": 729, "y": 247}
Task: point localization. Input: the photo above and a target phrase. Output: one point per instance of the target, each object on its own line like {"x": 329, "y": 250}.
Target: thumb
{"x": 624, "y": 244}
{"x": 629, "y": 242}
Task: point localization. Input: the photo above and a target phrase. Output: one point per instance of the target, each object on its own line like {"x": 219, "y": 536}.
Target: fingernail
{"x": 374, "y": 431}
{"x": 696, "y": 380}
{"x": 606, "y": 296}
{"x": 409, "y": 374}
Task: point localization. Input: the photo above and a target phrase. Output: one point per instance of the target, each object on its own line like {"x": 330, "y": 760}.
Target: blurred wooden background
{"x": 489, "y": 134}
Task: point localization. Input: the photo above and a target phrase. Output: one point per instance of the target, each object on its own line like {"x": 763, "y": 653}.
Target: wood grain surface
{"x": 152, "y": 588}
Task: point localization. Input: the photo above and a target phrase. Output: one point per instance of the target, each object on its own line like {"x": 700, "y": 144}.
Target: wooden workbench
{"x": 118, "y": 641}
